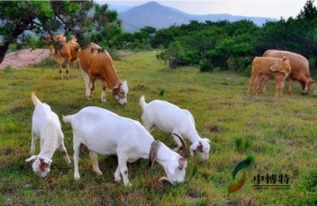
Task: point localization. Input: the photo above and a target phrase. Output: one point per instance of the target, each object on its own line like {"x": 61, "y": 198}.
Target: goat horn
{"x": 164, "y": 179}
{"x": 184, "y": 146}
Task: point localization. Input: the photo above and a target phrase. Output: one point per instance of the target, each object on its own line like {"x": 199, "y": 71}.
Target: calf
{"x": 62, "y": 51}
{"x": 300, "y": 68}
{"x": 47, "y": 127}
{"x": 100, "y": 66}
{"x": 171, "y": 119}
{"x": 265, "y": 67}
{"x": 107, "y": 133}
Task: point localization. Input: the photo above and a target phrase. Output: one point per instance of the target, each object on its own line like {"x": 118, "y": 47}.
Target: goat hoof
{"x": 98, "y": 173}
{"x": 76, "y": 177}
{"x": 103, "y": 100}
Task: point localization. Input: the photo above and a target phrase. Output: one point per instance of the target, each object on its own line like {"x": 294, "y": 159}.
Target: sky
{"x": 255, "y": 8}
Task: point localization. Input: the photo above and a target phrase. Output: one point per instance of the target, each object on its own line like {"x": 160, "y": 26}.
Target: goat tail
{"x": 142, "y": 102}
{"x": 35, "y": 100}
{"x": 67, "y": 119}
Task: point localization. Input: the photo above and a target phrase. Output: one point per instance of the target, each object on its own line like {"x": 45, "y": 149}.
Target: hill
{"x": 159, "y": 16}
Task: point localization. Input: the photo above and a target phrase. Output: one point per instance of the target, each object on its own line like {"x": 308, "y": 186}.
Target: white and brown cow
{"x": 99, "y": 65}
{"x": 62, "y": 51}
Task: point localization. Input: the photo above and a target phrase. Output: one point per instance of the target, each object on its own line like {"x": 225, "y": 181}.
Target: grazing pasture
{"x": 279, "y": 134}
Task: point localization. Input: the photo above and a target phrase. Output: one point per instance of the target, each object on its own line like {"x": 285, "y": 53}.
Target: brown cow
{"x": 100, "y": 66}
{"x": 300, "y": 68}
{"x": 67, "y": 52}
{"x": 265, "y": 67}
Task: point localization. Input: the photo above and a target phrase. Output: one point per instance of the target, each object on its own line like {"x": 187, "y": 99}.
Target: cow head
{"x": 120, "y": 93}
{"x": 282, "y": 66}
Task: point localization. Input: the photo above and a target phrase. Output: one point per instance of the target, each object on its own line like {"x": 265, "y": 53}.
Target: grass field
{"x": 280, "y": 135}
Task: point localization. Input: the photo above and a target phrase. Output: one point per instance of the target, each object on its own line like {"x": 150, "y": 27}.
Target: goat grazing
{"x": 47, "y": 127}
{"x": 171, "y": 119}
{"x": 107, "y": 133}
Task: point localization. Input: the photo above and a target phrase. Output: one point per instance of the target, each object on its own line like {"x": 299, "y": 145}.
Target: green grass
{"x": 279, "y": 134}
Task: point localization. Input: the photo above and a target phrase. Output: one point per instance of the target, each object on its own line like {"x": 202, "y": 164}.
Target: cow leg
{"x": 290, "y": 86}
{"x": 256, "y": 84}
{"x": 265, "y": 80}
{"x": 279, "y": 87}
{"x": 103, "y": 93}
{"x": 304, "y": 83}
{"x": 251, "y": 84}
{"x": 60, "y": 66}
{"x": 67, "y": 69}
{"x": 94, "y": 161}
{"x": 87, "y": 82}
{"x": 92, "y": 87}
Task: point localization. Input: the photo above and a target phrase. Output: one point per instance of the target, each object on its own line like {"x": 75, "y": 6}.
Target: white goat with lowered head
{"x": 47, "y": 127}
{"x": 171, "y": 119}
{"x": 107, "y": 133}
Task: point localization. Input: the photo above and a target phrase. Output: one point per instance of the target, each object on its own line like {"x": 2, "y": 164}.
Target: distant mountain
{"x": 119, "y": 9}
{"x": 151, "y": 14}
{"x": 159, "y": 16}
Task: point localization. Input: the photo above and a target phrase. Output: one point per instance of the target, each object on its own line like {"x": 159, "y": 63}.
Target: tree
{"x": 48, "y": 17}
{"x": 309, "y": 12}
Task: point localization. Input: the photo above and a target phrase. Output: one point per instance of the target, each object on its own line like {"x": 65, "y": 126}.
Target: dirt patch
{"x": 23, "y": 58}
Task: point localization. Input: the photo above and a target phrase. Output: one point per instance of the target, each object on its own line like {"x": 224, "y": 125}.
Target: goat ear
{"x": 33, "y": 157}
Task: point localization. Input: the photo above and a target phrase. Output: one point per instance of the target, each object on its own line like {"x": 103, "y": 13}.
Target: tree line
{"x": 208, "y": 45}
{"x": 232, "y": 45}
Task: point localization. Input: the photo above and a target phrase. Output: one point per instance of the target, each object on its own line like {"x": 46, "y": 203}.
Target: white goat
{"x": 171, "y": 119}
{"x": 47, "y": 127}
{"x": 107, "y": 133}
